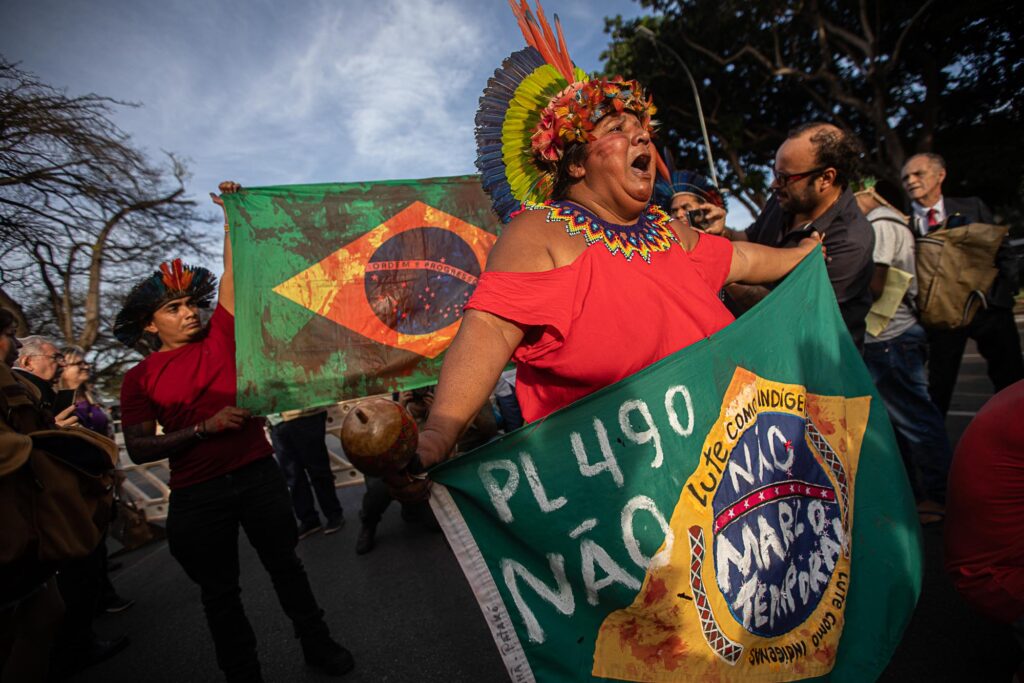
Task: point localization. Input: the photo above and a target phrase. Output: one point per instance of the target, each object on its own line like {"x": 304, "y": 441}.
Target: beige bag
{"x": 955, "y": 269}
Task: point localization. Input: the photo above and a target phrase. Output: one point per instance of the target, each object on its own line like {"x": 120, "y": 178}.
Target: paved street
{"x": 407, "y": 614}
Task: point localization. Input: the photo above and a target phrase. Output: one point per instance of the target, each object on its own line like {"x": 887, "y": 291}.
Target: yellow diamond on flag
{"x": 402, "y": 284}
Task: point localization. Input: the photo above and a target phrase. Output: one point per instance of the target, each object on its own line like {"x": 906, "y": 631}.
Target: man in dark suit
{"x": 993, "y": 328}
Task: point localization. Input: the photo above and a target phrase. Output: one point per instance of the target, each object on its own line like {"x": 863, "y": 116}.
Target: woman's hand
{"x": 432, "y": 448}
{"x": 66, "y": 418}
{"x": 808, "y": 244}
{"x": 227, "y": 418}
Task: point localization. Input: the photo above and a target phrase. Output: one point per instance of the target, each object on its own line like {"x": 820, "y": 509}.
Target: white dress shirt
{"x": 921, "y": 215}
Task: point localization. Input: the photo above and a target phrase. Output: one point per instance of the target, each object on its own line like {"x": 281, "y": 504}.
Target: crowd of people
{"x": 597, "y": 232}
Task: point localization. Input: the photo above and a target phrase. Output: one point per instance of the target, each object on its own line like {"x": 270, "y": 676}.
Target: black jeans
{"x": 202, "y": 534}
{"x": 998, "y": 341}
{"x": 302, "y": 452}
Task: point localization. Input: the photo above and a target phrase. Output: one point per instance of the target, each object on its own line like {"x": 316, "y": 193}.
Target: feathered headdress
{"x": 536, "y": 103}
{"x": 174, "y": 280}
{"x": 686, "y": 182}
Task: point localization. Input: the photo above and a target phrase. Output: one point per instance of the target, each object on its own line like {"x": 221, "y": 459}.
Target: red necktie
{"x": 933, "y": 218}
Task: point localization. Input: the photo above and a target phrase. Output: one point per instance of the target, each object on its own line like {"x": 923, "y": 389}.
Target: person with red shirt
{"x": 589, "y": 282}
{"x": 223, "y": 474}
{"x": 984, "y": 530}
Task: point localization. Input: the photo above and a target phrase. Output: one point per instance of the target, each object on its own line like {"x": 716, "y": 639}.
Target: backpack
{"x": 955, "y": 269}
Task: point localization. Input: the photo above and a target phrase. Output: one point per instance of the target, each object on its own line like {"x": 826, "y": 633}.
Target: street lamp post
{"x": 658, "y": 44}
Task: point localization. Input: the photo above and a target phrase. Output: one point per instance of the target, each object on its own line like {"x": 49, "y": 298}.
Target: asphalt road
{"x": 407, "y": 614}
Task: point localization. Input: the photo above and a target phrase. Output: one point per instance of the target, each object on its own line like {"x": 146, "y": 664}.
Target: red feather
{"x": 175, "y": 277}
{"x": 662, "y": 167}
{"x": 563, "y": 48}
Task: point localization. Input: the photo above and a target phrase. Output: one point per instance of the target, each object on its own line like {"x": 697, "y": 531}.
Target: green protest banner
{"x": 348, "y": 290}
{"x": 736, "y": 512}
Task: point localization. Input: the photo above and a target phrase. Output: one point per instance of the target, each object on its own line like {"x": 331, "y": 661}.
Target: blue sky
{"x": 270, "y": 93}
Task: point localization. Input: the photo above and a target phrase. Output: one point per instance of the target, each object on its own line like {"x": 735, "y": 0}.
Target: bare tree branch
{"x": 82, "y": 211}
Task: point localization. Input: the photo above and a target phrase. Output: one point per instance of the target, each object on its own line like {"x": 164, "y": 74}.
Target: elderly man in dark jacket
{"x": 993, "y": 328}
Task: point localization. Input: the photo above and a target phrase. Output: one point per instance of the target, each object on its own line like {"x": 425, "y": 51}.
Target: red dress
{"x": 631, "y": 298}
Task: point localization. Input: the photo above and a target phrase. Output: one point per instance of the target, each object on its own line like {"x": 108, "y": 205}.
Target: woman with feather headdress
{"x": 590, "y": 282}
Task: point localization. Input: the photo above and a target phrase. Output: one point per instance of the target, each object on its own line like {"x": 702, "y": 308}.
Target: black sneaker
{"x": 308, "y": 528}
{"x": 367, "y": 539}
{"x": 334, "y": 523}
{"x": 326, "y": 655}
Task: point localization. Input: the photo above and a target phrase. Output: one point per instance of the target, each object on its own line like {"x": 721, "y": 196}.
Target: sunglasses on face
{"x": 783, "y": 179}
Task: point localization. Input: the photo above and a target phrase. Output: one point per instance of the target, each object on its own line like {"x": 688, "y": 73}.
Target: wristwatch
{"x": 198, "y": 433}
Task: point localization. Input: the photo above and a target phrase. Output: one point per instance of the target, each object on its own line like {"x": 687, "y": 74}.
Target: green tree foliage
{"x": 905, "y": 76}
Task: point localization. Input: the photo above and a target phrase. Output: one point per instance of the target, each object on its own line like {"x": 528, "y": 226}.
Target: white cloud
{"x": 360, "y": 96}
{"x": 299, "y": 92}
{"x": 418, "y": 62}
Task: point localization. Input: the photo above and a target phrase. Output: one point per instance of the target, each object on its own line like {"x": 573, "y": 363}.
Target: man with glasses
{"x": 40, "y": 362}
{"x": 78, "y": 646}
{"x": 813, "y": 169}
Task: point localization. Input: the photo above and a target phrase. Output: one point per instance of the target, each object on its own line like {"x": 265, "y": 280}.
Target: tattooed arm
{"x": 145, "y": 445}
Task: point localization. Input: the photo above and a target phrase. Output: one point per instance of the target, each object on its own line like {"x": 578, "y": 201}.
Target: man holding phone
{"x": 693, "y": 199}
{"x": 40, "y": 362}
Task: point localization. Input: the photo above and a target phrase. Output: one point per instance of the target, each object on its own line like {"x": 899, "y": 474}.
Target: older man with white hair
{"x": 78, "y": 646}
{"x": 993, "y": 328}
{"x": 40, "y": 362}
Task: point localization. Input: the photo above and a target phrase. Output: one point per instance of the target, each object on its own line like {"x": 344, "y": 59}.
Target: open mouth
{"x": 642, "y": 162}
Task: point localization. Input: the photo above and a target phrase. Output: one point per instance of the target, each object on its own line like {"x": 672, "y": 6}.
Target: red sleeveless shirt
{"x": 604, "y": 317}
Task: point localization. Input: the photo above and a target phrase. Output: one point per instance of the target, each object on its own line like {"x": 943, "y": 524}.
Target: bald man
{"x": 813, "y": 169}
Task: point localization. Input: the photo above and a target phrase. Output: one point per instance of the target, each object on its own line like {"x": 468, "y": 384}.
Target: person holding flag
{"x": 223, "y": 475}
{"x": 680, "y": 503}
{"x": 586, "y": 260}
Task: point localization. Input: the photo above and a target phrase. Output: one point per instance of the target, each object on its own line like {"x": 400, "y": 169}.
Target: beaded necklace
{"x": 651, "y": 233}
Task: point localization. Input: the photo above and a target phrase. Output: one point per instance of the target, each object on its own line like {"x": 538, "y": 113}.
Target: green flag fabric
{"x": 348, "y": 290}
{"x": 736, "y": 512}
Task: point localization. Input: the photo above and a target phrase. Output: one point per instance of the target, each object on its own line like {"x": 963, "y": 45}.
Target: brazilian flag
{"x": 348, "y": 290}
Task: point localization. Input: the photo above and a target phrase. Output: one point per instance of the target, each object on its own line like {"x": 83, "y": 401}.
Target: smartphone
{"x": 697, "y": 219}
{"x": 65, "y": 397}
